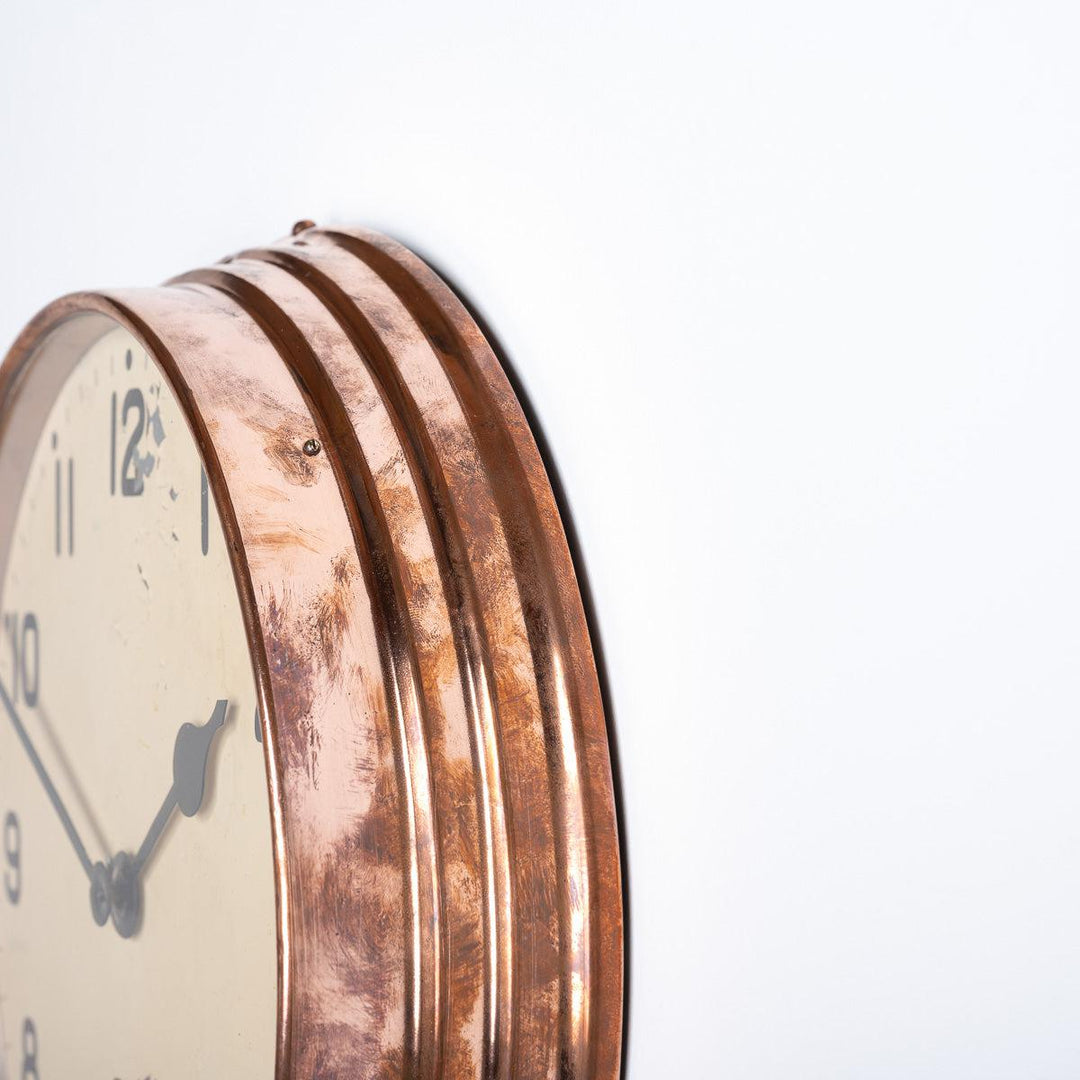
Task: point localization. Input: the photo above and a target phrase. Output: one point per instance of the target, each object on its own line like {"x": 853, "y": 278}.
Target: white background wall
{"x": 793, "y": 288}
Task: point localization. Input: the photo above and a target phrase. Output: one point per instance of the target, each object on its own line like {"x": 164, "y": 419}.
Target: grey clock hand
{"x": 191, "y": 752}
{"x": 46, "y": 782}
{"x": 190, "y": 756}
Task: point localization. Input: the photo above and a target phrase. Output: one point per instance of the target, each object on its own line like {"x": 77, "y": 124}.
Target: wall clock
{"x": 303, "y": 764}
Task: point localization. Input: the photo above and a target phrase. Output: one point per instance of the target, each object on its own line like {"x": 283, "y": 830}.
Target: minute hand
{"x": 46, "y": 781}
{"x": 190, "y": 756}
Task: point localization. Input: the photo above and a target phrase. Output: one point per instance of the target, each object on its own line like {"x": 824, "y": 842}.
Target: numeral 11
{"x": 64, "y": 503}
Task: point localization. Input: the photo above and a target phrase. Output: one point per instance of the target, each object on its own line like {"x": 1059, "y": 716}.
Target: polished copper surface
{"x": 447, "y": 861}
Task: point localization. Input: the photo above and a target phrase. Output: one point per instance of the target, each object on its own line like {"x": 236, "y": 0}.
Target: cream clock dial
{"x": 138, "y": 934}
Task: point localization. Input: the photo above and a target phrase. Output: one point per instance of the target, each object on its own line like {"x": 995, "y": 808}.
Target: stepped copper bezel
{"x": 444, "y": 834}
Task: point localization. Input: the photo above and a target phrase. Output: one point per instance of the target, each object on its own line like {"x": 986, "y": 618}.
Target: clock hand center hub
{"x": 125, "y": 894}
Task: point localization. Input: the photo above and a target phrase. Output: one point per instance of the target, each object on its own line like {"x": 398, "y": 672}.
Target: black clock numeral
{"x": 13, "y": 855}
{"x": 204, "y": 510}
{"x": 29, "y": 1051}
{"x": 64, "y": 503}
{"x": 131, "y": 475}
{"x": 112, "y": 449}
{"x": 130, "y": 471}
{"x": 25, "y": 638}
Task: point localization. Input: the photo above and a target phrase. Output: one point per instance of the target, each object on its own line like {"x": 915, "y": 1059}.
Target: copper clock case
{"x": 444, "y": 836}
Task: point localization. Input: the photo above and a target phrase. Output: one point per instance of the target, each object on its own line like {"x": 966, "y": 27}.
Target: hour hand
{"x": 191, "y": 753}
{"x": 190, "y": 756}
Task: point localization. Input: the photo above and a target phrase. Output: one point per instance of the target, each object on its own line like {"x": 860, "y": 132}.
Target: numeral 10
{"x": 25, "y": 641}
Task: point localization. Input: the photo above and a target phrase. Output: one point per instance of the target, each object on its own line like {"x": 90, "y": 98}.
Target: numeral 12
{"x": 130, "y": 473}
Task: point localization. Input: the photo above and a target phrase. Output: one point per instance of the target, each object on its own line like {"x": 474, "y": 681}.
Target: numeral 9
{"x": 30, "y": 1051}
{"x": 13, "y": 855}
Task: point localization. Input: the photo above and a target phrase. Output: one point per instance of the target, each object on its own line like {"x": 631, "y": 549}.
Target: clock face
{"x": 137, "y": 909}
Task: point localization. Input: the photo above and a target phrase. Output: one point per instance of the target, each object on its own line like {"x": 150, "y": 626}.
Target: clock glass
{"x": 138, "y": 933}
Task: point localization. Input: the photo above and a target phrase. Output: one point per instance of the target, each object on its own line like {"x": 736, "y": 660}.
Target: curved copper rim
{"x": 487, "y": 841}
